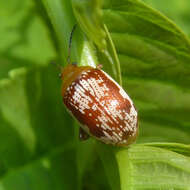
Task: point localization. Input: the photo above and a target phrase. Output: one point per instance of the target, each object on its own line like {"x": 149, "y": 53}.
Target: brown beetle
{"x": 100, "y": 104}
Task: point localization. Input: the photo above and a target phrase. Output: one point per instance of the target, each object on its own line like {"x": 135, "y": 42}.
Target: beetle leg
{"x": 83, "y": 135}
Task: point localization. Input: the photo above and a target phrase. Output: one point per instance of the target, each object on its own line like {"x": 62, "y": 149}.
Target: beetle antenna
{"x": 70, "y": 42}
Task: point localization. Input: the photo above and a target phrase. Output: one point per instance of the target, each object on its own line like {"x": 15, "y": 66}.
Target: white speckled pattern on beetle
{"x": 102, "y": 107}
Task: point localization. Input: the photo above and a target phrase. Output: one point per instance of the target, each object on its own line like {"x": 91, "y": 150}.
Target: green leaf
{"x": 53, "y": 171}
{"x": 163, "y": 109}
{"x": 178, "y": 11}
{"x": 29, "y": 126}
{"x": 175, "y": 147}
{"x": 21, "y": 30}
{"x": 154, "y": 57}
{"x": 144, "y": 167}
{"x": 153, "y": 168}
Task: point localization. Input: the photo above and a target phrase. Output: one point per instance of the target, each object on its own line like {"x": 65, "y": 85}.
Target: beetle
{"x": 101, "y": 106}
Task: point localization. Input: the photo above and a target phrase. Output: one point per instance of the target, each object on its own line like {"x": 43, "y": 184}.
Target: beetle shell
{"x": 102, "y": 107}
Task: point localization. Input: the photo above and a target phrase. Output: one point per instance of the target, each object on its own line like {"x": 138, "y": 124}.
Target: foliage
{"x": 178, "y": 11}
{"x": 39, "y": 146}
